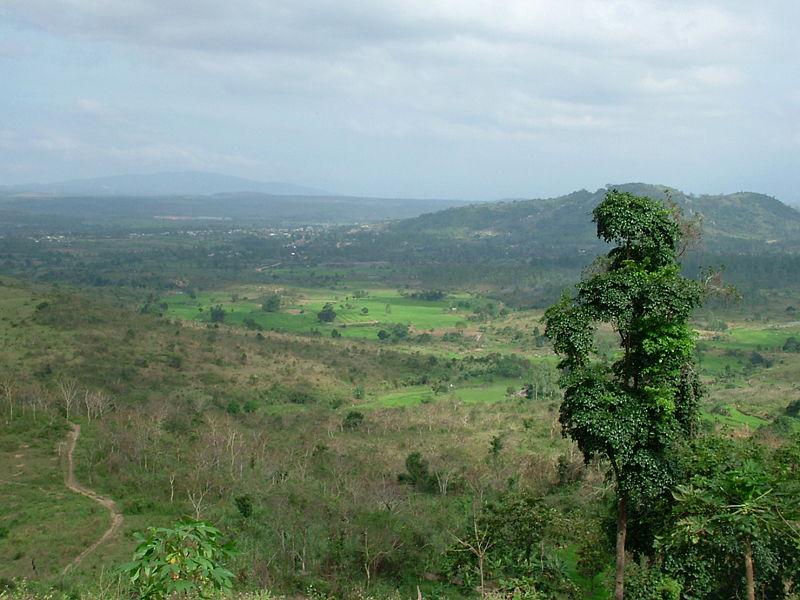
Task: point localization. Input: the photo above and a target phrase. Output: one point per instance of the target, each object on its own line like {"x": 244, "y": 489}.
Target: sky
{"x": 473, "y": 99}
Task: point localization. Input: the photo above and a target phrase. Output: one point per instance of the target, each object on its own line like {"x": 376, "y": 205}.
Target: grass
{"x": 734, "y": 418}
{"x": 43, "y": 524}
{"x": 301, "y": 305}
{"x": 482, "y": 393}
{"x": 303, "y": 470}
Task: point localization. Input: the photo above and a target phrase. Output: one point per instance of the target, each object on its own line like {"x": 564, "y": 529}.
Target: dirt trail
{"x": 71, "y": 483}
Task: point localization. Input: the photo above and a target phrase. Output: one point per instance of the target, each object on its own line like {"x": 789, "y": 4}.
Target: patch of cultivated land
{"x": 358, "y": 317}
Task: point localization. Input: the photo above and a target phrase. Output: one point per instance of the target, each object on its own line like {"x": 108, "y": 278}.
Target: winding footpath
{"x": 108, "y": 503}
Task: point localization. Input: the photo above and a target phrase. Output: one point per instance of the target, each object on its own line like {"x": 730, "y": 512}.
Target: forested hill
{"x": 740, "y": 222}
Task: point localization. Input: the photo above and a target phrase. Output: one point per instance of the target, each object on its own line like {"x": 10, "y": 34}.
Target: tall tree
{"x": 630, "y": 411}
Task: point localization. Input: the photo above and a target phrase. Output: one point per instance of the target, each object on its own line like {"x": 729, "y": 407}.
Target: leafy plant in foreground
{"x": 185, "y": 559}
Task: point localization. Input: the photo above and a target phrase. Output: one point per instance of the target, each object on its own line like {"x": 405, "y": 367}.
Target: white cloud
{"x": 455, "y": 73}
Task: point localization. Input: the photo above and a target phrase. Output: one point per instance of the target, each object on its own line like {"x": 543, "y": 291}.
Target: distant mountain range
{"x": 179, "y": 183}
{"x": 141, "y": 206}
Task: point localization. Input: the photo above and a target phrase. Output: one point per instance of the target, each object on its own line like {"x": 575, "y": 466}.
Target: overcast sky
{"x": 438, "y": 98}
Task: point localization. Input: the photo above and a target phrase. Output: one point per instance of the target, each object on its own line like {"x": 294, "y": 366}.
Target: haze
{"x": 420, "y": 98}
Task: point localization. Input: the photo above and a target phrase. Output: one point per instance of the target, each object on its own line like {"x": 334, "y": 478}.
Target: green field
{"x": 355, "y": 317}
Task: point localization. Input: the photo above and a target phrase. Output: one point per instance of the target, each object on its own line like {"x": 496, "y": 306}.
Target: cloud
{"x": 249, "y": 83}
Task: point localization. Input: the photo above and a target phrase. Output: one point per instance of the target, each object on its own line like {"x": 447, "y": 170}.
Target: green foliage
{"x": 244, "y": 504}
{"x": 792, "y": 344}
{"x": 418, "y": 474}
{"x": 518, "y": 531}
{"x": 793, "y": 408}
{"x": 593, "y": 556}
{"x": 187, "y": 559}
{"x": 429, "y": 295}
{"x": 495, "y": 446}
{"x": 739, "y": 499}
{"x": 759, "y": 360}
{"x": 629, "y": 412}
{"x": 327, "y": 314}
{"x": 352, "y": 420}
{"x": 645, "y": 582}
{"x": 271, "y": 303}
{"x": 216, "y": 314}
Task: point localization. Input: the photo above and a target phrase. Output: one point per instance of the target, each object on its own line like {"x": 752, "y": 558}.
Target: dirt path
{"x": 71, "y": 483}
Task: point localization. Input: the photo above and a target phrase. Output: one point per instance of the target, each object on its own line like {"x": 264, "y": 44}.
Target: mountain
{"x": 743, "y": 222}
{"x": 178, "y": 183}
{"x": 45, "y": 213}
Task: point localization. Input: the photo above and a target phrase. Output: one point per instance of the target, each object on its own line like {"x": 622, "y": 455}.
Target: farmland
{"x": 343, "y": 422}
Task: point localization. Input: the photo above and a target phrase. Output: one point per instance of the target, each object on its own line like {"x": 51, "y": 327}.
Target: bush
{"x": 185, "y": 559}
{"x": 429, "y": 295}
{"x": 515, "y": 529}
{"x": 643, "y": 582}
{"x": 271, "y": 303}
{"x": 793, "y": 408}
{"x": 327, "y": 314}
{"x": 792, "y": 344}
{"x": 217, "y": 314}
{"x": 352, "y": 420}
{"x": 418, "y": 474}
{"x": 244, "y": 504}
{"x": 759, "y": 360}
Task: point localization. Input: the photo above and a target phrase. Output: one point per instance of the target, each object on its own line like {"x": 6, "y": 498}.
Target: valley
{"x": 344, "y": 422}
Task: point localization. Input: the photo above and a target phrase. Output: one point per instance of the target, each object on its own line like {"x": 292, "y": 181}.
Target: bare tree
{"x": 8, "y": 391}
{"x": 171, "y": 487}
{"x": 196, "y": 499}
{"x": 68, "y": 395}
{"x": 96, "y": 404}
{"x": 478, "y": 543}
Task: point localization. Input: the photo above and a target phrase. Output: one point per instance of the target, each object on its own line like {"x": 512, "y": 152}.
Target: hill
{"x": 174, "y": 183}
{"x": 740, "y": 222}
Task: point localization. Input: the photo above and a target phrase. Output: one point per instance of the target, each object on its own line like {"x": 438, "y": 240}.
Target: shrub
{"x": 643, "y": 582}
{"x": 271, "y": 303}
{"x": 515, "y": 530}
{"x": 352, "y": 420}
{"x": 418, "y": 474}
{"x": 185, "y": 559}
{"x": 244, "y": 504}
{"x": 217, "y": 314}
{"x": 327, "y": 314}
{"x": 792, "y": 344}
{"x": 793, "y": 408}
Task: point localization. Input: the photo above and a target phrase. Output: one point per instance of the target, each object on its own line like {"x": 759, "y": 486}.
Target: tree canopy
{"x": 630, "y": 411}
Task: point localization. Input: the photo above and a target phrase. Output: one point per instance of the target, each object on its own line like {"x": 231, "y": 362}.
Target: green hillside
{"x": 743, "y": 221}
